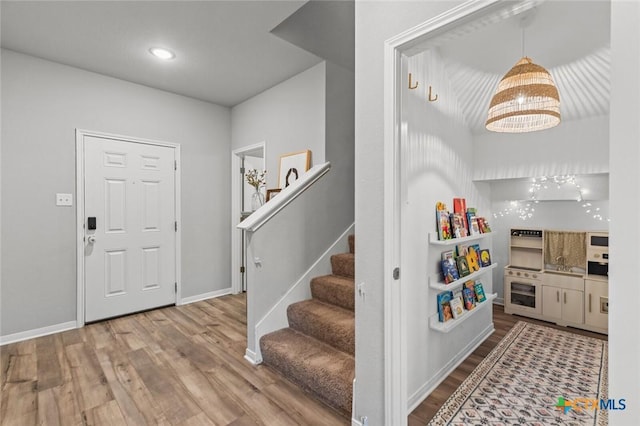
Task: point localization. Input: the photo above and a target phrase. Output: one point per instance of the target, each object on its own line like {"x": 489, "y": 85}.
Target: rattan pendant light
{"x": 526, "y": 100}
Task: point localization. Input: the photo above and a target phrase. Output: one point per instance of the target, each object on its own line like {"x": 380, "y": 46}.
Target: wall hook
{"x": 412, "y": 87}
{"x": 432, "y": 99}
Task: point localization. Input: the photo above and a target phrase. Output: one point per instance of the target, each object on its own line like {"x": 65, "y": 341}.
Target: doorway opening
{"x": 242, "y": 160}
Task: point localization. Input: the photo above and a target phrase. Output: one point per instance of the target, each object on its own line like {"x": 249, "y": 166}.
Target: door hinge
{"x": 396, "y": 273}
{"x": 242, "y": 269}
{"x": 175, "y": 164}
{"x": 175, "y": 288}
{"x": 176, "y": 225}
{"x": 241, "y": 170}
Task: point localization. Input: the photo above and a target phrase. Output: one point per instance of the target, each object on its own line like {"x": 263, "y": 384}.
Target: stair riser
{"x": 335, "y": 293}
{"x": 343, "y": 265}
{"x": 340, "y": 335}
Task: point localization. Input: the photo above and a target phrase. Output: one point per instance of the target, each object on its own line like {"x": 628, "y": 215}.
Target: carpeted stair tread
{"x": 334, "y": 289}
{"x": 352, "y": 243}
{"x": 315, "y": 366}
{"x": 330, "y": 324}
{"x": 343, "y": 264}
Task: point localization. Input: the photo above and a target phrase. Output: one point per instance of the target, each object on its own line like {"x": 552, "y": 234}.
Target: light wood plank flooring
{"x": 176, "y": 366}
{"x": 171, "y": 366}
{"x": 502, "y": 323}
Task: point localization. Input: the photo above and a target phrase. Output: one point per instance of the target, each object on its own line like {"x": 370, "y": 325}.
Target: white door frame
{"x": 236, "y": 234}
{"x": 395, "y": 340}
{"x": 80, "y": 214}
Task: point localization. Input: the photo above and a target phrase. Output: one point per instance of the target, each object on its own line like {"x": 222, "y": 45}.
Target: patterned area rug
{"x": 536, "y": 376}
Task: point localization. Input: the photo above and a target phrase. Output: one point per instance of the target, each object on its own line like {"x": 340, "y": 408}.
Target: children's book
{"x": 473, "y": 226}
{"x": 463, "y": 266}
{"x": 449, "y": 270}
{"x": 444, "y": 306}
{"x": 469, "y": 299}
{"x": 485, "y": 258}
{"x": 462, "y": 250}
{"x": 473, "y": 261}
{"x": 471, "y": 286}
{"x": 442, "y": 222}
{"x": 479, "y": 290}
{"x": 449, "y": 254}
{"x": 460, "y": 207}
{"x": 458, "y": 228}
{"x": 457, "y": 307}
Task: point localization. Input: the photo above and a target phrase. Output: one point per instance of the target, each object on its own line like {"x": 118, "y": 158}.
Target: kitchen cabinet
{"x": 563, "y": 298}
{"x": 596, "y": 302}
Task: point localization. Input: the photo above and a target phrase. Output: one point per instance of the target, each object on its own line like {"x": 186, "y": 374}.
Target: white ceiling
{"x": 225, "y": 52}
{"x": 570, "y": 39}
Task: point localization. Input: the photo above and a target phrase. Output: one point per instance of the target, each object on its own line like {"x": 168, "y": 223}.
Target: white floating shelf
{"x": 445, "y": 327}
{"x": 437, "y": 285}
{"x": 433, "y": 239}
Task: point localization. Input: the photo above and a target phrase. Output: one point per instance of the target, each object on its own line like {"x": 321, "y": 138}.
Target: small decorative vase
{"x": 257, "y": 200}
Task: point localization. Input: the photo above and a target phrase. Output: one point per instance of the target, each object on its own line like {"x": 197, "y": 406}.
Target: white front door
{"x": 130, "y": 256}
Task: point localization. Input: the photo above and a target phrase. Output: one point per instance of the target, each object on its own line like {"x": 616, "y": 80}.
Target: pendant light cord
{"x": 522, "y": 40}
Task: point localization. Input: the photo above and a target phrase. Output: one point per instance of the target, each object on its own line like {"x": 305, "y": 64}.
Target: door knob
{"x": 91, "y": 239}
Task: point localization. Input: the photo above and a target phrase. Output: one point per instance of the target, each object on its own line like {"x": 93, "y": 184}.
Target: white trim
{"x": 252, "y": 357}
{"x": 205, "y": 296}
{"x": 80, "y": 173}
{"x": 395, "y": 368}
{"x": 276, "y": 317}
{"x": 287, "y": 195}
{"x": 37, "y": 332}
{"x": 426, "y": 389}
{"x": 236, "y": 234}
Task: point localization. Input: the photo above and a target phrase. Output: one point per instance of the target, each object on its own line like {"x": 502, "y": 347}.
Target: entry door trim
{"x": 80, "y": 214}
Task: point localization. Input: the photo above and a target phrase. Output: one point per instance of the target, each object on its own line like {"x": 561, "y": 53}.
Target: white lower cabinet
{"x": 596, "y": 302}
{"x": 564, "y": 305}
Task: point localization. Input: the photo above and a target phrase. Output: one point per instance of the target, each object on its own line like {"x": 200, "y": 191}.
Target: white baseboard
{"x": 355, "y": 422}
{"x": 252, "y": 357}
{"x": 38, "y": 332}
{"x": 498, "y": 301}
{"x": 426, "y": 389}
{"x": 205, "y": 296}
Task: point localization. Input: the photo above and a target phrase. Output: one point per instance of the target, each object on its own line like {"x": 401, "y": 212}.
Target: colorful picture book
{"x": 473, "y": 260}
{"x": 457, "y": 307}
{"x": 479, "y": 291}
{"x": 485, "y": 258}
{"x": 449, "y": 270}
{"x": 463, "y": 266}
{"x": 444, "y": 306}
{"x": 469, "y": 299}
{"x": 443, "y": 222}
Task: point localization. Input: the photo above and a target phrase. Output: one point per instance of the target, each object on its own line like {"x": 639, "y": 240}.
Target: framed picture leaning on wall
{"x": 292, "y": 167}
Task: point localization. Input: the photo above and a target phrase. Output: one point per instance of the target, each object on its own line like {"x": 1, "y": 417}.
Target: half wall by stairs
{"x": 317, "y": 350}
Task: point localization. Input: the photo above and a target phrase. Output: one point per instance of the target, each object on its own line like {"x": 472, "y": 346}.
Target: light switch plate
{"x": 64, "y": 199}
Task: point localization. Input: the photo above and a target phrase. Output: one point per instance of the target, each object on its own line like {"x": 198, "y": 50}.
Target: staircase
{"x": 317, "y": 350}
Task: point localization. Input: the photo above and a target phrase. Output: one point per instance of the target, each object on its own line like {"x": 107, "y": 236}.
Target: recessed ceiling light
{"x": 162, "y": 53}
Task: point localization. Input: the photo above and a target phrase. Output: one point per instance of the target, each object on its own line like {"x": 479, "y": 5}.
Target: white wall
{"x": 624, "y": 333}
{"x": 42, "y": 105}
{"x": 375, "y": 23}
{"x": 437, "y": 164}
{"x": 574, "y": 147}
{"x": 313, "y": 110}
{"x": 288, "y": 117}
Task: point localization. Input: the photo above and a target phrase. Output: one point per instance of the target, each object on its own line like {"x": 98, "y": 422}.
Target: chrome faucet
{"x": 560, "y": 261}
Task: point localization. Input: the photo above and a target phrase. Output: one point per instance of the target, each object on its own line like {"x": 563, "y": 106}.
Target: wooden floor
{"x": 172, "y": 366}
{"x": 502, "y": 323}
{"x": 176, "y": 366}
